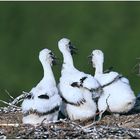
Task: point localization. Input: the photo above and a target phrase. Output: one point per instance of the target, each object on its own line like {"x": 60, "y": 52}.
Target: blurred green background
{"x": 28, "y": 27}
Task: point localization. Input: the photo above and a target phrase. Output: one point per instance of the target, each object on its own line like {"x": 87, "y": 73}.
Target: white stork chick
{"x": 74, "y": 86}
{"x": 44, "y": 101}
{"x": 117, "y": 96}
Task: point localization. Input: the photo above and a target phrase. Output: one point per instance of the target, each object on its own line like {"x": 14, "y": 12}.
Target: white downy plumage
{"x": 118, "y": 96}
{"x": 44, "y": 101}
{"x": 74, "y": 86}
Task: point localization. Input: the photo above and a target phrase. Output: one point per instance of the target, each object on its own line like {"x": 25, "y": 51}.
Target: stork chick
{"x": 117, "y": 96}
{"x": 44, "y": 101}
{"x": 74, "y": 86}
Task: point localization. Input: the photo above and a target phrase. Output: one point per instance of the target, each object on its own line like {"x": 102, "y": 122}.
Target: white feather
{"x": 118, "y": 96}
{"x": 69, "y": 75}
{"x": 46, "y": 86}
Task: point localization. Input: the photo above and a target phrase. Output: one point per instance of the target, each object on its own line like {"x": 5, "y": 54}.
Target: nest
{"x": 121, "y": 127}
{"x": 125, "y": 126}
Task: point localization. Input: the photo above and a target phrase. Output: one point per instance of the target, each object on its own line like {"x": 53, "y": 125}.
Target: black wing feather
{"x": 44, "y": 96}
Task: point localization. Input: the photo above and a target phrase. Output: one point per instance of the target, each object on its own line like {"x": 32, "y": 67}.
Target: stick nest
{"x": 124, "y": 126}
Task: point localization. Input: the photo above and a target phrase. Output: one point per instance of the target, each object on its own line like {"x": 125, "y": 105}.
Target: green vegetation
{"x": 28, "y": 27}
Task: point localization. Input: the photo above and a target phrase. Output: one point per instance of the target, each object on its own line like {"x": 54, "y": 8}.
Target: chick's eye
{"x": 69, "y": 43}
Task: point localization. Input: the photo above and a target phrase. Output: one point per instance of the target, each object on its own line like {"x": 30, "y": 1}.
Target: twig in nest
{"x": 76, "y": 125}
{"x": 9, "y": 94}
{"x": 10, "y": 124}
{"x": 90, "y": 125}
{"x": 16, "y": 100}
{"x": 102, "y": 111}
{"x": 108, "y": 108}
{"x": 20, "y": 98}
{"x": 9, "y": 104}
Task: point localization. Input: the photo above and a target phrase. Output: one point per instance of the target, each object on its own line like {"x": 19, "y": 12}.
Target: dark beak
{"x": 73, "y": 50}
{"x": 54, "y": 58}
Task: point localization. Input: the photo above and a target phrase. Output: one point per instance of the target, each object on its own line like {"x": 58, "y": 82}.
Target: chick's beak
{"x": 54, "y": 59}
{"x": 73, "y": 50}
